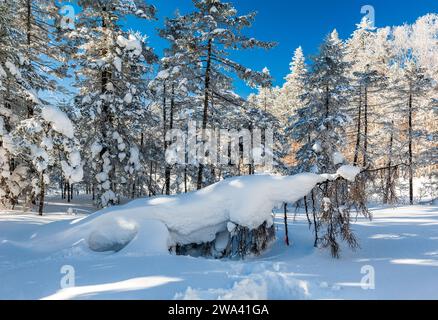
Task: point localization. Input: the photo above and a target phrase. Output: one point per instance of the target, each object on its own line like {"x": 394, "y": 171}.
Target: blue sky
{"x": 292, "y": 23}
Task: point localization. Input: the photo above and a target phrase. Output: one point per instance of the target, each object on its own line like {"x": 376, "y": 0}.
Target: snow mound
{"x": 156, "y": 224}
{"x": 165, "y": 221}
{"x": 256, "y": 286}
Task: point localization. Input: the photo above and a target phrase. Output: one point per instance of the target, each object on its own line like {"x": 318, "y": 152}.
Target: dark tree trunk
{"x": 168, "y": 167}
{"x": 411, "y": 169}
{"x": 315, "y": 224}
{"x": 68, "y": 192}
{"x": 29, "y": 16}
{"x": 42, "y": 193}
{"x": 164, "y": 115}
{"x": 387, "y": 195}
{"x": 62, "y": 188}
{"x": 206, "y": 103}
{"x": 365, "y": 137}
{"x": 28, "y": 21}
{"x": 358, "y": 133}
{"x": 251, "y": 166}
{"x": 286, "y": 231}
{"x": 107, "y": 117}
{"x": 306, "y": 208}
{"x": 185, "y": 179}
{"x": 150, "y": 178}
{"x": 65, "y": 191}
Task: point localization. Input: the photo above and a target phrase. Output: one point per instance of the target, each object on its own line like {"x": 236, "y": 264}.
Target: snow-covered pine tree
{"x": 428, "y": 155}
{"x": 213, "y": 30}
{"x": 321, "y": 131}
{"x": 7, "y": 117}
{"x": 290, "y": 98}
{"x": 323, "y": 118}
{"x": 289, "y": 101}
{"x": 36, "y": 58}
{"x": 273, "y": 145}
{"x": 267, "y": 112}
{"x": 266, "y": 97}
{"x": 45, "y": 141}
{"x": 16, "y": 95}
{"x": 413, "y": 88}
{"x": 424, "y": 41}
{"x": 176, "y": 89}
{"x": 367, "y": 81}
{"x": 112, "y": 91}
{"x": 383, "y": 138}
{"x": 43, "y": 52}
{"x": 392, "y": 151}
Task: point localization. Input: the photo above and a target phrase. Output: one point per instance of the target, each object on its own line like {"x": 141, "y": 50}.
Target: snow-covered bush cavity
{"x": 112, "y": 237}
{"x": 151, "y": 236}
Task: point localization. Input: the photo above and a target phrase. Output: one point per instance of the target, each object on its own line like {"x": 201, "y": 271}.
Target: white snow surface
{"x": 13, "y": 69}
{"x": 131, "y": 44}
{"x": 349, "y": 172}
{"x": 400, "y": 244}
{"x": 117, "y": 62}
{"x": 59, "y": 120}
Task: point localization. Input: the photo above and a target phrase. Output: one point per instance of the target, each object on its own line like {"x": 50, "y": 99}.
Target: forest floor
{"x": 399, "y": 248}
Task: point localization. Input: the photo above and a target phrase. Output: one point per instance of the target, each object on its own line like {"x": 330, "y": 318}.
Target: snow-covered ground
{"x": 399, "y": 247}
